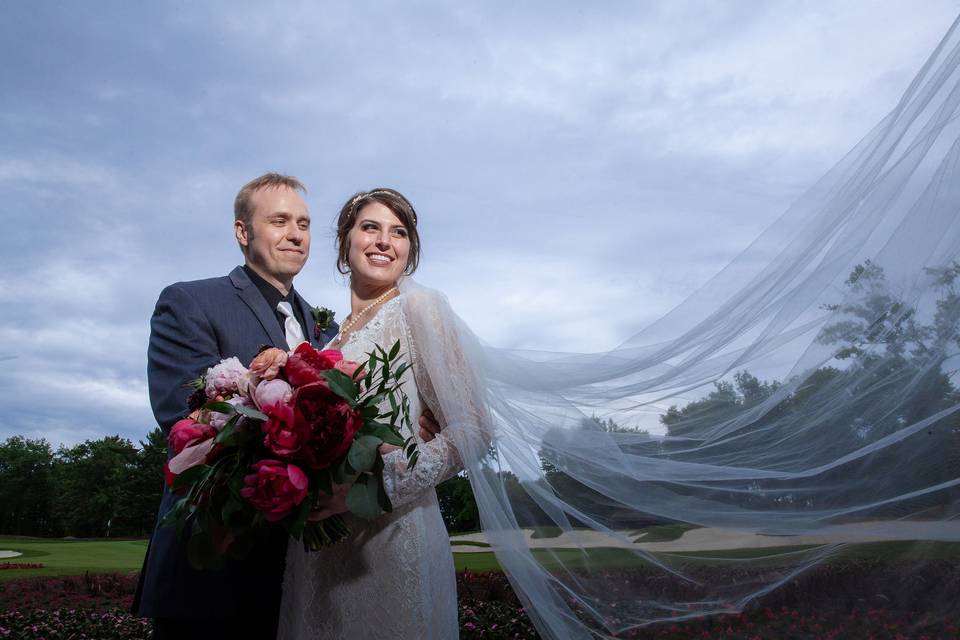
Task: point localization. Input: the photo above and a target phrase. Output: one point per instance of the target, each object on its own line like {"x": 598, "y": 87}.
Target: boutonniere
{"x": 322, "y": 318}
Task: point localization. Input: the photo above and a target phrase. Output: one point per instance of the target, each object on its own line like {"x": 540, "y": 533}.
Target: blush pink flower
{"x": 268, "y": 363}
{"x": 224, "y": 378}
{"x": 270, "y": 392}
{"x": 350, "y": 368}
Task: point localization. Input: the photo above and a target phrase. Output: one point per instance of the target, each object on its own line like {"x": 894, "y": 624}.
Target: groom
{"x": 194, "y": 326}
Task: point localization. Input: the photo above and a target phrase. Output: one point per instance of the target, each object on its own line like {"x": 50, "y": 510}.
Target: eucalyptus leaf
{"x": 362, "y": 499}
{"x": 384, "y": 433}
{"x": 363, "y": 453}
{"x": 383, "y": 500}
{"x": 250, "y": 412}
{"x": 219, "y": 406}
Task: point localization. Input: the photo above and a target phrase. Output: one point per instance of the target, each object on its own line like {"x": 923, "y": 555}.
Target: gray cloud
{"x": 577, "y": 172}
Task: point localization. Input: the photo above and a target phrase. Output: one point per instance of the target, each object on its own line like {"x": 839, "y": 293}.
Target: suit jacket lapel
{"x": 253, "y": 299}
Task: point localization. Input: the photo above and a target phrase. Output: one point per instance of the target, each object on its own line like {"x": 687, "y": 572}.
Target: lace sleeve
{"x": 450, "y": 386}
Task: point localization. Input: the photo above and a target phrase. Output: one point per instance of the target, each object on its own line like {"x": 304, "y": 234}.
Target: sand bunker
{"x": 714, "y": 539}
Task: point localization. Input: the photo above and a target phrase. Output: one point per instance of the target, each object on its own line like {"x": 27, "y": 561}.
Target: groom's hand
{"x": 429, "y": 427}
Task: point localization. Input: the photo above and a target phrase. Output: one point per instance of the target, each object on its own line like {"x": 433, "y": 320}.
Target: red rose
{"x": 282, "y": 433}
{"x": 307, "y": 364}
{"x": 170, "y": 476}
{"x": 186, "y": 432}
{"x": 275, "y": 488}
{"x": 331, "y": 422}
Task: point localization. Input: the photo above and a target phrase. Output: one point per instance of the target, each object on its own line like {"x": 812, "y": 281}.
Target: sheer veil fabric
{"x": 824, "y": 363}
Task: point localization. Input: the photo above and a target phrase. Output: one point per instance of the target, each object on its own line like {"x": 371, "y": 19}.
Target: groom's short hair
{"x": 243, "y": 210}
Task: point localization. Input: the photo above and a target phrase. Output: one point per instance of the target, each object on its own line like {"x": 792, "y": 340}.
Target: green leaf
{"x": 171, "y": 517}
{"x": 342, "y": 473}
{"x": 220, "y": 407}
{"x": 250, "y": 412}
{"x": 296, "y": 526}
{"x": 363, "y": 453}
{"x": 384, "y": 432}
{"x": 228, "y": 437}
{"x": 231, "y": 507}
{"x": 362, "y": 500}
{"x": 399, "y": 371}
{"x": 395, "y": 350}
{"x": 341, "y": 384}
{"x": 191, "y": 476}
{"x": 383, "y": 500}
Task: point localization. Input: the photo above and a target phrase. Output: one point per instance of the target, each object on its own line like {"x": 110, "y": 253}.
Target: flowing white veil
{"x": 825, "y": 358}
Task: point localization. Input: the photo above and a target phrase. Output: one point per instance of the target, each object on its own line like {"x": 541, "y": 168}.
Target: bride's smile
{"x": 379, "y": 247}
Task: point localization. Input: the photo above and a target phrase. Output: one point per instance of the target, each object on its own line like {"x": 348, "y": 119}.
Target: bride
{"x": 393, "y": 577}
{"x": 848, "y": 306}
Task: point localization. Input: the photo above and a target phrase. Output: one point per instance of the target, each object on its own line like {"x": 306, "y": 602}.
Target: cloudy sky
{"x": 578, "y": 168}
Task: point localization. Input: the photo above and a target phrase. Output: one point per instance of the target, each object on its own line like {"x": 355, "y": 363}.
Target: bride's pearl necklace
{"x": 353, "y": 319}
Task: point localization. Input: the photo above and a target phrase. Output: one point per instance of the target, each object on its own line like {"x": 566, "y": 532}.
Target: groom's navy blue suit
{"x": 194, "y": 326}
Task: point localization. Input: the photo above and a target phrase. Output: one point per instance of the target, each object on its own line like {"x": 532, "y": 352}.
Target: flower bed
{"x": 21, "y": 565}
{"x": 96, "y": 592}
{"x": 96, "y": 607}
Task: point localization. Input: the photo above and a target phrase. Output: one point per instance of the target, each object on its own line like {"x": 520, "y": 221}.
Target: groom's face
{"x": 277, "y": 240}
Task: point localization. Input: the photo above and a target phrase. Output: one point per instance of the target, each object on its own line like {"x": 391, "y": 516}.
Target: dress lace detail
{"x": 394, "y": 577}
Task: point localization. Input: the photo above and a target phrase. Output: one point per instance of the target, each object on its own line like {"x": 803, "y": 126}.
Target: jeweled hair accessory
{"x": 360, "y": 196}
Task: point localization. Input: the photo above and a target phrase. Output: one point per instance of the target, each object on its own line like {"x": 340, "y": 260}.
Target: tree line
{"x": 890, "y": 367}
{"x": 98, "y": 488}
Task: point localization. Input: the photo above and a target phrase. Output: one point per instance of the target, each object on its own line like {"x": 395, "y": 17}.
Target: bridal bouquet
{"x": 264, "y": 443}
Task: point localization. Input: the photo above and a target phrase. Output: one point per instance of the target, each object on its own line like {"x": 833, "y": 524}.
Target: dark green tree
{"x": 26, "y": 487}
{"x": 142, "y": 497}
{"x": 92, "y": 480}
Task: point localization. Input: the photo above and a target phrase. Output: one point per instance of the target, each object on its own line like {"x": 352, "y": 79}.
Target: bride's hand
{"x": 325, "y": 506}
{"x": 387, "y": 448}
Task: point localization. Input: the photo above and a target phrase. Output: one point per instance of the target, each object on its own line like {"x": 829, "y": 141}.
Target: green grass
{"x": 75, "y": 557}
{"x": 72, "y": 557}
{"x": 613, "y": 558}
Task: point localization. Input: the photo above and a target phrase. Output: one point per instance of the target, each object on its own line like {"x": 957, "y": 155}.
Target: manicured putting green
{"x": 72, "y": 557}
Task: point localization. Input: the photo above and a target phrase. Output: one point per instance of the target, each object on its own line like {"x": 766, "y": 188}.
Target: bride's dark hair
{"x": 391, "y": 199}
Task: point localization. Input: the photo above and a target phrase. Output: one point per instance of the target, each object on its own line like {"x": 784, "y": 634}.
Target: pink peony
{"x": 224, "y": 378}
{"x": 271, "y": 392}
{"x": 275, "y": 488}
{"x": 306, "y": 365}
{"x": 268, "y": 363}
{"x": 186, "y": 432}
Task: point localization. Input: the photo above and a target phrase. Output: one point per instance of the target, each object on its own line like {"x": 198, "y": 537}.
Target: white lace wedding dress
{"x": 394, "y": 577}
